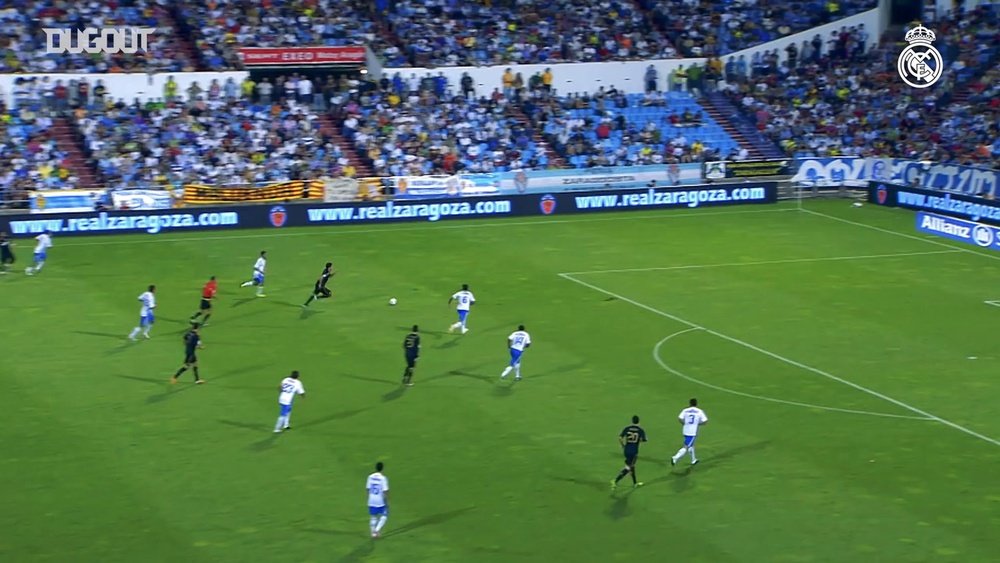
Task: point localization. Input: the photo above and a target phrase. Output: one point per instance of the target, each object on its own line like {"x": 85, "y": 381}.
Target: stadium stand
{"x": 208, "y": 139}
{"x": 615, "y": 129}
{"x": 428, "y": 132}
{"x": 23, "y": 42}
{"x": 220, "y": 27}
{"x": 856, "y": 105}
{"x": 703, "y": 29}
{"x": 449, "y": 32}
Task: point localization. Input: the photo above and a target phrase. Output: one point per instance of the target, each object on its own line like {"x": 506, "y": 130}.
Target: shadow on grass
{"x": 432, "y": 520}
{"x": 589, "y": 483}
{"x": 561, "y": 370}
{"x": 114, "y": 336}
{"x": 619, "y": 506}
{"x": 332, "y": 417}
{"x": 369, "y": 379}
{"x": 256, "y": 427}
{"x": 679, "y": 476}
{"x": 394, "y": 394}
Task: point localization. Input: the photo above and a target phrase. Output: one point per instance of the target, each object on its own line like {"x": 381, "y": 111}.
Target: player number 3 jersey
{"x": 692, "y": 417}
{"x": 377, "y": 486}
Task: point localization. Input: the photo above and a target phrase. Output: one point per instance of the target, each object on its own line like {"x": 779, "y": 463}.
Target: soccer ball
{"x": 392, "y": 300}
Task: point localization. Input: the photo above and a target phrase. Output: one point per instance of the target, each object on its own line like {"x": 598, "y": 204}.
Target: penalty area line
{"x": 767, "y": 262}
{"x": 786, "y": 360}
{"x": 659, "y": 359}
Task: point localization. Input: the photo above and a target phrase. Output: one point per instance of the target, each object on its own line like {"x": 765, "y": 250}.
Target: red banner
{"x": 290, "y": 56}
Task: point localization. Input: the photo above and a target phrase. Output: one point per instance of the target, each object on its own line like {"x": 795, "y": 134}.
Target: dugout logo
{"x": 277, "y": 216}
{"x": 920, "y": 64}
{"x": 547, "y": 204}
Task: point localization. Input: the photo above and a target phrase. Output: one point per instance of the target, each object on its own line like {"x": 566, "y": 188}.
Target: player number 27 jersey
{"x": 377, "y": 485}
{"x": 290, "y": 387}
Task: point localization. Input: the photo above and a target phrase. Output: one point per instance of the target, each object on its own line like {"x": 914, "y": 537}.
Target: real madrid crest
{"x": 920, "y": 64}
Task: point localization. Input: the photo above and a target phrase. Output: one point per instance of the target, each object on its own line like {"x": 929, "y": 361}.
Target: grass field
{"x": 849, "y": 374}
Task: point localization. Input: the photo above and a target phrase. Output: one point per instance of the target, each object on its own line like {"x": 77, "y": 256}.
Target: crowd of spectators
{"x": 210, "y": 134}
{"x": 704, "y": 29}
{"x": 610, "y": 128}
{"x": 829, "y": 105}
{"x": 423, "y": 126}
{"x": 23, "y": 43}
{"x": 220, "y": 27}
{"x": 453, "y": 32}
{"x": 29, "y": 156}
{"x": 409, "y": 32}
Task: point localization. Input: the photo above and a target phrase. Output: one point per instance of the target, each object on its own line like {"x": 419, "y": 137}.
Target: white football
{"x": 392, "y": 300}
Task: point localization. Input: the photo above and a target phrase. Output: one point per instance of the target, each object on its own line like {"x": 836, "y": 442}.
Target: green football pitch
{"x": 848, "y": 367}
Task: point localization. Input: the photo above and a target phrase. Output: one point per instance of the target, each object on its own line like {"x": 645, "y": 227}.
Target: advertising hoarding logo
{"x": 277, "y": 216}
{"x": 547, "y": 204}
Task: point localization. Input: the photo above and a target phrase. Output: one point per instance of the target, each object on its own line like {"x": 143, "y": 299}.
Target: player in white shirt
{"x": 465, "y": 301}
{"x": 377, "y": 487}
{"x": 289, "y": 388}
{"x": 518, "y": 342}
{"x": 41, "y": 252}
{"x": 258, "y": 274}
{"x": 691, "y": 419}
{"x": 148, "y": 300}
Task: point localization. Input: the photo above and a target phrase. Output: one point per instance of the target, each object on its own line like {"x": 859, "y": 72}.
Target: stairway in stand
{"x": 67, "y": 141}
{"x": 739, "y": 127}
{"x": 555, "y": 159}
{"x": 328, "y": 126}
{"x": 183, "y": 41}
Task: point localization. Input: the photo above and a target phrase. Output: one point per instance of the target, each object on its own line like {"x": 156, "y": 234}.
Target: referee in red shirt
{"x": 207, "y": 295}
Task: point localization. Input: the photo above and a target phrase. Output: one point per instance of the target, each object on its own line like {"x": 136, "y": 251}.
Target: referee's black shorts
{"x": 206, "y": 304}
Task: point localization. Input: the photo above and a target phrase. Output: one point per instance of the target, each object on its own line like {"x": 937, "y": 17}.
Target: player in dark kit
{"x": 320, "y": 291}
{"x": 411, "y": 351}
{"x": 207, "y": 295}
{"x": 192, "y": 341}
{"x": 6, "y": 254}
{"x": 630, "y": 438}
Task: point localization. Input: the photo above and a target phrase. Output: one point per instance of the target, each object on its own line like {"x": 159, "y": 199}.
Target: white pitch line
{"x": 899, "y": 234}
{"x": 788, "y": 361}
{"x": 766, "y": 262}
{"x": 678, "y": 373}
{"x": 333, "y": 229}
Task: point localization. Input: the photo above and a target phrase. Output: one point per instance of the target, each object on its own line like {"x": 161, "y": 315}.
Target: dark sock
{"x": 180, "y": 371}
{"x": 196, "y": 315}
{"x": 205, "y": 320}
{"x": 634, "y": 480}
{"x": 621, "y": 474}
{"x": 310, "y": 300}
{"x": 196, "y": 378}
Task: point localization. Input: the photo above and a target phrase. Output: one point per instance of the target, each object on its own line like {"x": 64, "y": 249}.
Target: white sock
{"x": 146, "y": 331}
{"x": 693, "y": 458}
{"x": 278, "y": 425}
{"x": 506, "y": 370}
{"x": 246, "y": 284}
{"x": 381, "y": 522}
{"x": 260, "y": 290}
{"x": 680, "y": 453}
{"x": 517, "y": 371}
{"x": 371, "y": 523}
{"x": 38, "y": 267}
{"x": 288, "y": 420}
{"x": 134, "y": 332}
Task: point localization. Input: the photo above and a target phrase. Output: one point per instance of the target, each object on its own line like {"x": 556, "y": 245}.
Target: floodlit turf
{"x": 104, "y": 461}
